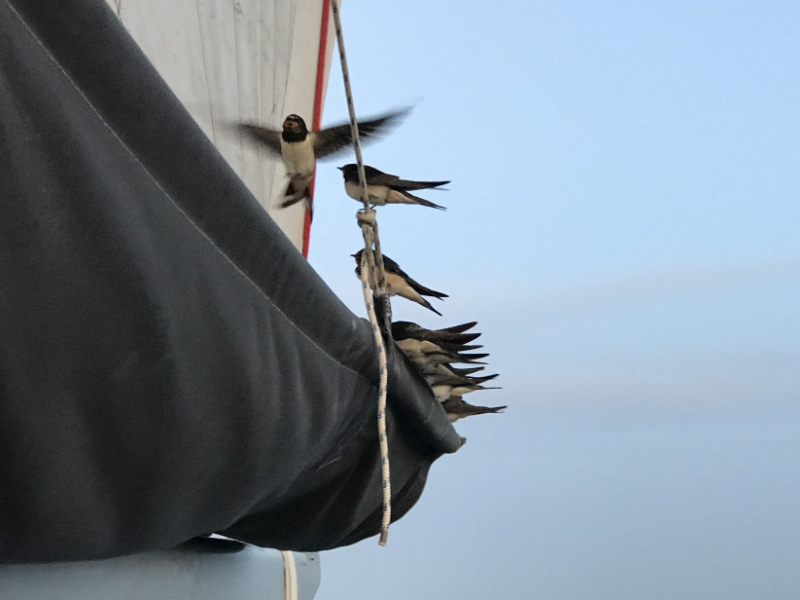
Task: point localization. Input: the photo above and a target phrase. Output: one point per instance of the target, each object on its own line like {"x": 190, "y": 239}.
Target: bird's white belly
{"x": 298, "y": 157}
{"x": 377, "y": 193}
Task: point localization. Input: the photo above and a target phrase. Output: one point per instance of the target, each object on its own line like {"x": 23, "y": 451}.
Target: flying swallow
{"x": 383, "y": 188}
{"x": 456, "y": 409}
{"x": 402, "y": 330}
{"x": 398, "y": 283}
{"x": 300, "y": 148}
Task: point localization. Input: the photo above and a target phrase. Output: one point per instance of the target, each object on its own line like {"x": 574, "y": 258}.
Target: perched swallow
{"x": 471, "y": 358}
{"x": 402, "y": 330}
{"x": 414, "y": 347}
{"x": 444, "y": 368}
{"x": 383, "y": 188}
{"x": 444, "y": 386}
{"x": 459, "y": 328}
{"x": 444, "y": 391}
{"x": 300, "y": 148}
{"x": 456, "y": 409}
{"x": 446, "y": 357}
{"x": 456, "y": 380}
{"x": 441, "y": 363}
{"x": 398, "y": 283}
{"x": 483, "y": 378}
{"x": 428, "y": 368}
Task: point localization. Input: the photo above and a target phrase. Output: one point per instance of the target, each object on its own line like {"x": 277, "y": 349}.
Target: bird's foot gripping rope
{"x": 366, "y": 218}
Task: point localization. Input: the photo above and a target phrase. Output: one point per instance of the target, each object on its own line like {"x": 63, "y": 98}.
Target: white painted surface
{"x": 232, "y": 61}
{"x": 252, "y": 574}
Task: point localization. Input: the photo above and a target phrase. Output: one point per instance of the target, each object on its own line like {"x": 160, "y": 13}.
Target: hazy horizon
{"x": 622, "y": 222}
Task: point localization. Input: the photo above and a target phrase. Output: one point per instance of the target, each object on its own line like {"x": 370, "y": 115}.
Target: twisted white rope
{"x": 289, "y": 575}
{"x": 371, "y": 267}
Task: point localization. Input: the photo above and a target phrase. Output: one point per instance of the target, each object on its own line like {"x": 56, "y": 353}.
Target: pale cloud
{"x": 632, "y": 392}
{"x": 521, "y": 300}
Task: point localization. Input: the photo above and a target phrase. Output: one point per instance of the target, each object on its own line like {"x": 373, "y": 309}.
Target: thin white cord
{"x": 289, "y": 576}
{"x": 371, "y": 264}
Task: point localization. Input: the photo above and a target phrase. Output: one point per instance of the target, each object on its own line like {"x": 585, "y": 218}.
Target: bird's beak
{"x": 340, "y": 168}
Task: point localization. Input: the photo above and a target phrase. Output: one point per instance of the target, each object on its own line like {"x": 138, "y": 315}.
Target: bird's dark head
{"x": 350, "y": 172}
{"x": 294, "y": 124}
{"x": 402, "y": 330}
{"x": 358, "y": 255}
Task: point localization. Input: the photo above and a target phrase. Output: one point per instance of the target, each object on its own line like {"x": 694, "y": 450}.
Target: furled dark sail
{"x": 170, "y": 365}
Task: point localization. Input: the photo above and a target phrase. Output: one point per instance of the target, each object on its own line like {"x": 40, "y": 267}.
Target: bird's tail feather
{"x": 464, "y": 372}
{"x": 470, "y": 358}
{"x": 452, "y": 338}
{"x": 292, "y": 196}
{"x": 483, "y": 379}
{"x": 402, "y": 197}
{"x": 459, "y": 328}
{"x": 425, "y": 291}
{"x": 469, "y": 410}
{"x": 427, "y": 305}
{"x": 423, "y": 202}
{"x": 405, "y": 184}
{"x": 454, "y": 347}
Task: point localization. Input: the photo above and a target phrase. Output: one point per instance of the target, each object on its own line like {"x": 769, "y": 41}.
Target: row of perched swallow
{"x": 434, "y": 352}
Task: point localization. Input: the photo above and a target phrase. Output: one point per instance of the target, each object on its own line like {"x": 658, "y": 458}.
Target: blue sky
{"x": 622, "y": 221}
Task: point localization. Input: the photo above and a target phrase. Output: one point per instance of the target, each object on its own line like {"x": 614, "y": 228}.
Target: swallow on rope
{"x": 456, "y": 409}
{"x": 414, "y": 347}
{"x": 383, "y": 188}
{"x": 447, "y": 357}
{"x": 451, "y": 369}
{"x": 428, "y": 357}
{"x": 428, "y": 364}
{"x": 300, "y": 148}
{"x": 456, "y": 380}
{"x": 443, "y": 391}
{"x": 444, "y": 386}
{"x": 398, "y": 283}
{"x": 402, "y": 330}
{"x": 429, "y": 368}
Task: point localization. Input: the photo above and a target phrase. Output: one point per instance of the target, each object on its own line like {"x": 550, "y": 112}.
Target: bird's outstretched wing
{"x": 269, "y": 137}
{"x": 332, "y": 141}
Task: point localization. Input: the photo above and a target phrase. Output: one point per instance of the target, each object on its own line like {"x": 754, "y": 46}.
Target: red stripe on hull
{"x": 317, "y": 116}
